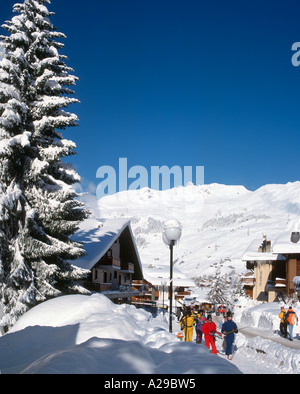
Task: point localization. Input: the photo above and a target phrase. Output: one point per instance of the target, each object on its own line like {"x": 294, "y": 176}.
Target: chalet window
{"x": 96, "y": 274}
{"x": 115, "y": 274}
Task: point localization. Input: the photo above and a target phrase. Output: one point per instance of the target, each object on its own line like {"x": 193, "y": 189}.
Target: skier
{"x": 186, "y": 324}
{"x": 229, "y": 329}
{"x": 200, "y": 320}
{"x": 283, "y": 323}
{"x": 209, "y": 330}
{"x": 224, "y": 338}
{"x": 222, "y": 310}
{"x": 291, "y": 318}
{"x": 178, "y": 314}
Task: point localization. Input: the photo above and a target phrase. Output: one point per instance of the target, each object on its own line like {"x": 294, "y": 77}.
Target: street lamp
{"x": 171, "y": 234}
{"x": 163, "y": 283}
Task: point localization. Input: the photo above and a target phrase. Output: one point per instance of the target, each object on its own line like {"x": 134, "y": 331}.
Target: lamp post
{"x": 171, "y": 234}
{"x": 163, "y": 283}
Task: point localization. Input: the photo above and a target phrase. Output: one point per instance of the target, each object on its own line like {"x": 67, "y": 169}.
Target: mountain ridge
{"x": 219, "y": 221}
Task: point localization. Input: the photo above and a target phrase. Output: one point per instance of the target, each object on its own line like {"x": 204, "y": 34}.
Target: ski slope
{"x": 219, "y": 222}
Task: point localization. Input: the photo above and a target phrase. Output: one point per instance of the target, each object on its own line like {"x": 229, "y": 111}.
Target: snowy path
{"x": 247, "y": 363}
{"x": 265, "y": 351}
{"x": 251, "y": 332}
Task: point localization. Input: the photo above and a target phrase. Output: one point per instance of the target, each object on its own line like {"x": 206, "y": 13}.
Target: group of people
{"x": 205, "y": 326}
{"x": 287, "y": 321}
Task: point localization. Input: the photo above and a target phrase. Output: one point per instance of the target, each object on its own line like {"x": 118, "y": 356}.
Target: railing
{"x": 98, "y": 286}
{"x": 127, "y": 267}
{"x": 183, "y": 293}
{"x": 105, "y": 286}
{"x": 92, "y": 286}
{"x": 110, "y": 261}
{"x": 248, "y": 281}
{"x": 279, "y": 282}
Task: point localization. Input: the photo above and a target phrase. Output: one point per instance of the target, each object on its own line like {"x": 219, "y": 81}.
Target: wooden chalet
{"x": 288, "y": 244}
{"x": 272, "y": 269}
{"x": 111, "y": 256}
{"x": 154, "y": 288}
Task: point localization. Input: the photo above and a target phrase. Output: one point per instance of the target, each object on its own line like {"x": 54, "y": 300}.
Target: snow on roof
{"x": 157, "y": 274}
{"x": 98, "y": 237}
{"x": 283, "y": 244}
{"x": 252, "y": 253}
{"x": 248, "y": 274}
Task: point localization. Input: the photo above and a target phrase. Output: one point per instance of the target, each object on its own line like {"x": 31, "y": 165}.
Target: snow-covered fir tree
{"x": 38, "y": 207}
{"x": 219, "y": 288}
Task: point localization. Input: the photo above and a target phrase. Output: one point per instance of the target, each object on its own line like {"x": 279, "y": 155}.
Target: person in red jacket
{"x": 209, "y": 330}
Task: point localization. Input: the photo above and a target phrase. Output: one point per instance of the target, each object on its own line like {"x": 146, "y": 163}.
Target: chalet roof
{"x": 99, "y": 236}
{"x": 253, "y": 254}
{"x": 156, "y": 274}
{"x": 248, "y": 274}
{"x": 284, "y": 245}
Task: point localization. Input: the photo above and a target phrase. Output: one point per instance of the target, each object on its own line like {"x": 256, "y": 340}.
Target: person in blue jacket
{"x": 229, "y": 329}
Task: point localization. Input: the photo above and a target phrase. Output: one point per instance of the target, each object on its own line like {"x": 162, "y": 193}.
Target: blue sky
{"x": 188, "y": 83}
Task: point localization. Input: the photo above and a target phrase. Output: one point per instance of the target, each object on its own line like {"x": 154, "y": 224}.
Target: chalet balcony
{"x": 97, "y": 287}
{"x": 110, "y": 261}
{"x": 250, "y": 281}
{"x": 127, "y": 267}
{"x": 105, "y": 286}
{"x": 279, "y": 282}
{"x": 183, "y": 293}
{"x": 148, "y": 294}
{"x": 137, "y": 282}
{"x": 92, "y": 286}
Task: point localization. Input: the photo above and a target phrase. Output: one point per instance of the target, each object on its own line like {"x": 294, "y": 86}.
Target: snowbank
{"x": 265, "y": 316}
{"x": 259, "y": 341}
{"x": 271, "y": 356}
{"x": 89, "y": 334}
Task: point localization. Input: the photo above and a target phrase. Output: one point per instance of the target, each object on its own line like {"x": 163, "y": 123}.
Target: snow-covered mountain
{"x": 219, "y": 222}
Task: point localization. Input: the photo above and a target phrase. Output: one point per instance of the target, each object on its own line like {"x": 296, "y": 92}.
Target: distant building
{"x": 111, "y": 256}
{"x": 271, "y": 270}
{"x": 154, "y": 289}
{"x": 288, "y": 244}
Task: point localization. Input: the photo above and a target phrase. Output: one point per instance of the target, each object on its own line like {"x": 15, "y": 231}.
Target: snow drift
{"x": 89, "y": 334}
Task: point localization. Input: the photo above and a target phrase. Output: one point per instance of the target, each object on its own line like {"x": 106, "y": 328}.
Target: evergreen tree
{"x": 237, "y": 289}
{"x": 219, "y": 289}
{"x": 38, "y": 207}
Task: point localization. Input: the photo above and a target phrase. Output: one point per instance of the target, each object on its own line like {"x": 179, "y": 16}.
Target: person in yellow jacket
{"x": 283, "y": 323}
{"x": 186, "y": 324}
